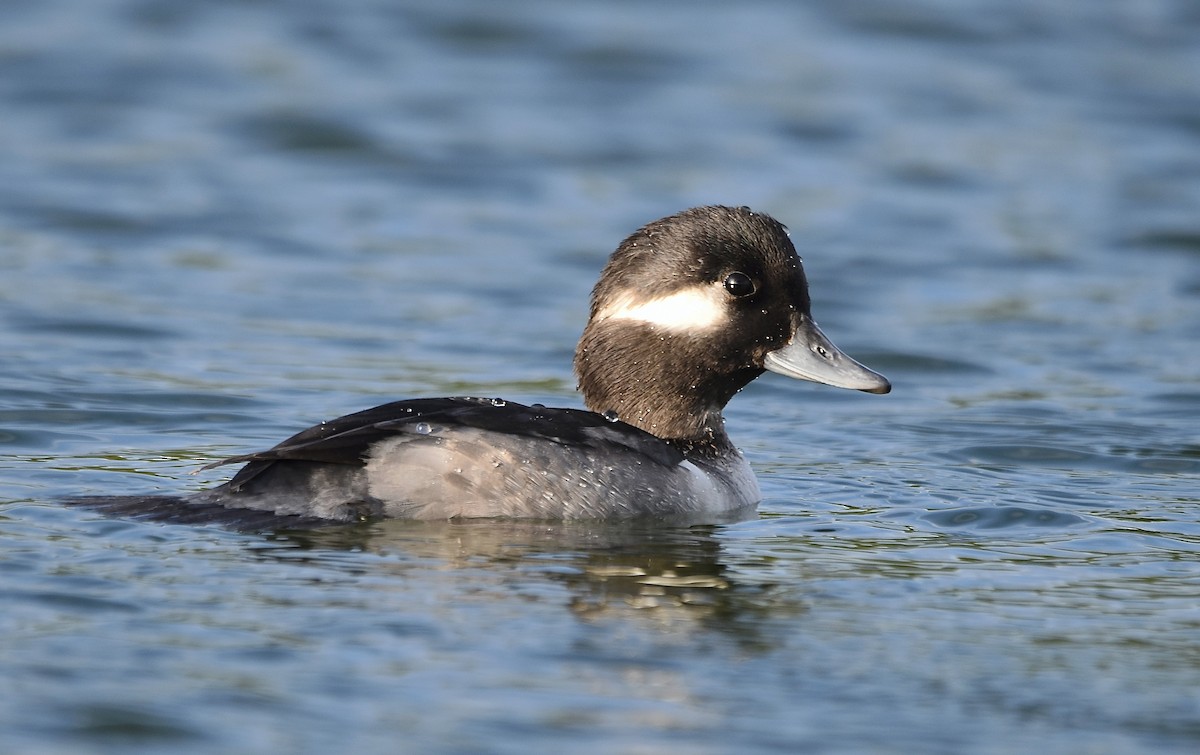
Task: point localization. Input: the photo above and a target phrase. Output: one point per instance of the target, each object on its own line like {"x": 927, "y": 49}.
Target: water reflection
{"x": 669, "y": 576}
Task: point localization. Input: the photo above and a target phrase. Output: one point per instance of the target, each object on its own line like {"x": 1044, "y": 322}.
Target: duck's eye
{"x": 739, "y": 284}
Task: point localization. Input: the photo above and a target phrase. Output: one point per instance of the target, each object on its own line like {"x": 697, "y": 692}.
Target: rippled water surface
{"x": 222, "y": 222}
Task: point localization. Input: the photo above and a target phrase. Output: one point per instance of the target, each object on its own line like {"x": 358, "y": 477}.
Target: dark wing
{"x": 348, "y": 439}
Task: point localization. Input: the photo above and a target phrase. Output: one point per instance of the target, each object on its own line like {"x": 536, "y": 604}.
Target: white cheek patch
{"x": 693, "y": 308}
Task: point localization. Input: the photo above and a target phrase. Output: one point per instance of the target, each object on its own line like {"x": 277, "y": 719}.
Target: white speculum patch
{"x": 692, "y": 308}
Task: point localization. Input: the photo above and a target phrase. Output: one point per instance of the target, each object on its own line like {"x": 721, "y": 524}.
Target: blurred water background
{"x": 221, "y": 222}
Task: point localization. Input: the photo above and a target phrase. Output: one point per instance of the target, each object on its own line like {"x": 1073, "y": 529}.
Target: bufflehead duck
{"x": 688, "y": 310}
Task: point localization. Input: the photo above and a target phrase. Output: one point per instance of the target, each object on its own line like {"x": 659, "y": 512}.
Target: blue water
{"x": 223, "y": 222}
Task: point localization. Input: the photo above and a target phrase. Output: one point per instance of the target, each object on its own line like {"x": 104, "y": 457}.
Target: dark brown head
{"x": 691, "y": 308}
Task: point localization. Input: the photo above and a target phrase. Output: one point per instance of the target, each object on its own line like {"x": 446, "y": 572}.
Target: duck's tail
{"x": 192, "y": 510}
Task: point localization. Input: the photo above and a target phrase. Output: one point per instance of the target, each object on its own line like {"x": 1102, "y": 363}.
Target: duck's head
{"x": 691, "y": 308}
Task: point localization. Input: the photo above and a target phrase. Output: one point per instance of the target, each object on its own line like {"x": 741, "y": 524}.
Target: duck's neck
{"x": 657, "y": 385}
